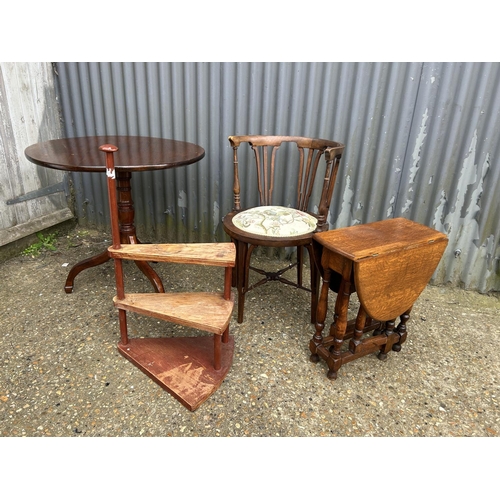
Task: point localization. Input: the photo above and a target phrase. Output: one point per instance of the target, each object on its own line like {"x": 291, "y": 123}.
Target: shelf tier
{"x": 206, "y": 311}
{"x": 183, "y": 366}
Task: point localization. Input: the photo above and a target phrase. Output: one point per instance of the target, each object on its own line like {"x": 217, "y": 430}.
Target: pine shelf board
{"x": 206, "y": 311}
{"x": 207, "y": 254}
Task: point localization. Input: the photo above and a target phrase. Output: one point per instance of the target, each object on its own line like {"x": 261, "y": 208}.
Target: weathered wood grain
{"x": 388, "y": 264}
{"x": 183, "y": 366}
{"x": 207, "y": 311}
{"x": 207, "y": 254}
{"x": 376, "y": 238}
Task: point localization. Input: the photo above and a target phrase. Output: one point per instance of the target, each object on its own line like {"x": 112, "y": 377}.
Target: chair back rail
{"x": 310, "y": 153}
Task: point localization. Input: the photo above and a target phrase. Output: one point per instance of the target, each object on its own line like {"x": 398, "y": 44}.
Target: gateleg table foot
{"x": 382, "y": 356}
{"x": 314, "y": 358}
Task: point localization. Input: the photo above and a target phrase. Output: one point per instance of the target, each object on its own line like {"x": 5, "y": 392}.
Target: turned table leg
{"x": 359, "y": 326}
{"x": 339, "y": 328}
{"x": 317, "y": 339}
{"x": 401, "y": 331}
{"x": 389, "y": 334}
{"x": 126, "y": 215}
{"x": 128, "y": 235}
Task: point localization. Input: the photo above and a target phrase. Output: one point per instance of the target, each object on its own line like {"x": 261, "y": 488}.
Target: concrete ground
{"x": 61, "y": 374}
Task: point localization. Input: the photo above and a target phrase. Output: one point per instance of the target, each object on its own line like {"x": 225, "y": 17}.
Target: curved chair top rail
{"x": 276, "y": 140}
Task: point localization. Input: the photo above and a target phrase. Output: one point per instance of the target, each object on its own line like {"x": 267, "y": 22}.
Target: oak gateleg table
{"x": 135, "y": 154}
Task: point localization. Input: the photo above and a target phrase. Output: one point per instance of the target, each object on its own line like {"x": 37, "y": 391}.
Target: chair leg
{"x": 300, "y": 262}
{"x": 234, "y": 272}
{"x": 314, "y": 283}
{"x": 314, "y": 292}
{"x": 241, "y": 254}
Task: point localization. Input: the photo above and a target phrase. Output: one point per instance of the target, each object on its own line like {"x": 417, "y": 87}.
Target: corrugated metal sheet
{"x": 451, "y": 175}
{"x": 421, "y": 141}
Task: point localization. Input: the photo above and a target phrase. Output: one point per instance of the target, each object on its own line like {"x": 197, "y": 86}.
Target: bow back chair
{"x": 189, "y": 368}
{"x": 270, "y": 223}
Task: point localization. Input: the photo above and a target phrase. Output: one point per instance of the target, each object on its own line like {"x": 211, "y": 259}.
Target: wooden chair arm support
{"x": 207, "y": 254}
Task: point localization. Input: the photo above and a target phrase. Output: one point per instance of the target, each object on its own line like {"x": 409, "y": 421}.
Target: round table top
{"x": 135, "y": 153}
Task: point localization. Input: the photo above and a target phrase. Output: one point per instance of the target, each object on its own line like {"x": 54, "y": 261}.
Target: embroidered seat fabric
{"x": 275, "y": 221}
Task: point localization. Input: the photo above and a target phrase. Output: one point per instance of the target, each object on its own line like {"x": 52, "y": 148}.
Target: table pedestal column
{"x": 127, "y": 236}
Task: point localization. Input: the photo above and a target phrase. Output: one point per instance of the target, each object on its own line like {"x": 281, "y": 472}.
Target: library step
{"x": 183, "y": 366}
{"x": 207, "y": 254}
{"x": 207, "y": 311}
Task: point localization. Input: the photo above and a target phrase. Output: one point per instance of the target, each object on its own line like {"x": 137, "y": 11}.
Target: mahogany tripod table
{"x": 135, "y": 154}
{"x": 388, "y": 264}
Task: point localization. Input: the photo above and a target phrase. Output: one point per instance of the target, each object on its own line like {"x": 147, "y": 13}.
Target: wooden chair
{"x": 310, "y": 180}
{"x": 189, "y": 368}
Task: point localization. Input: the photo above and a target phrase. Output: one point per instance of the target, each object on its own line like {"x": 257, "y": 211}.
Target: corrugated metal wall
{"x": 421, "y": 141}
